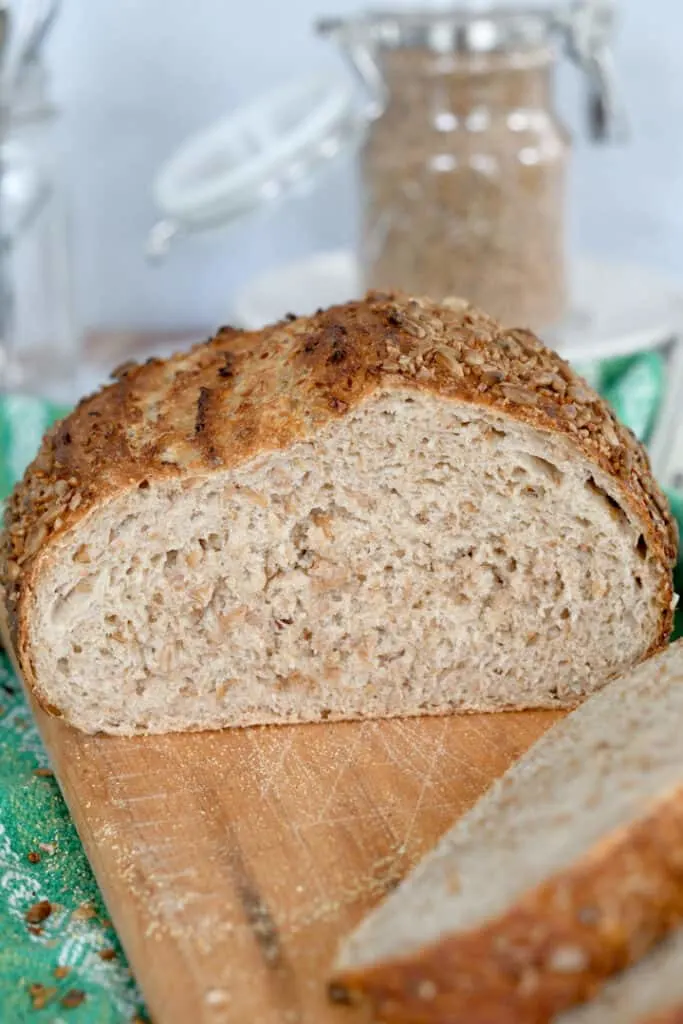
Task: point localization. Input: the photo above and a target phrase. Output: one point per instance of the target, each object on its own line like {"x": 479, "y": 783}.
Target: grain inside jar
{"x": 464, "y": 182}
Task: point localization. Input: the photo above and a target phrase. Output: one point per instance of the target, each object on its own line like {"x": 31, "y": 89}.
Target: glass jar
{"x": 40, "y": 344}
{"x": 271, "y": 179}
{"x": 464, "y": 183}
{"x": 465, "y": 161}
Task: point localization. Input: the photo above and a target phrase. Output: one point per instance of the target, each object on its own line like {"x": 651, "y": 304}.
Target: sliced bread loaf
{"x": 567, "y": 870}
{"x": 649, "y": 993}
{"x": 389, "y": 508}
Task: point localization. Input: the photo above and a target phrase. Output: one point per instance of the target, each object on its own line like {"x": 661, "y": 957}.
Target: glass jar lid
{"x": 584, "y": 27}
{"x": 456, "y": 30}
{"x": 262, "y": 152}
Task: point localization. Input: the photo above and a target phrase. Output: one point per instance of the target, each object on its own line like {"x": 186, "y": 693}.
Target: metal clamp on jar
{"x": 465, "y": 160}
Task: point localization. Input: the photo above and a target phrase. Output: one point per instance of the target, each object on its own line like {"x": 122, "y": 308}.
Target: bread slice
{"x": 389, "y": 508}
{"x": 649, "y": 993}
{"x": 567, "y": 870}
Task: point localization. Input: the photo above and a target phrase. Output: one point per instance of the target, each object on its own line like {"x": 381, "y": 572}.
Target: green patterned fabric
{"x": 632, "y": 385}
{"x": 34, "y": 819}
{"x": 34, "y": 823}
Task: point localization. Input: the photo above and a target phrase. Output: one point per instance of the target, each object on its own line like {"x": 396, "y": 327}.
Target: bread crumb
{"x": 38, "y": 912}
{"x": 83, "y": 913}
{"x": 41, "y": 995}
{"x": 73, "y": 998}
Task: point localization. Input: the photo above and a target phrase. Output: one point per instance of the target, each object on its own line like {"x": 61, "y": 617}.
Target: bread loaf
{"x": 649, "y": 993}
{"x": 566, "y": 871}
{"x": 389, "y": 508}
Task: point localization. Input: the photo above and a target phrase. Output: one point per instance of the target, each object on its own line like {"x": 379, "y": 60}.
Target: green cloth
{"x": 633, "y": 386}
{"x": 32, "y": 811}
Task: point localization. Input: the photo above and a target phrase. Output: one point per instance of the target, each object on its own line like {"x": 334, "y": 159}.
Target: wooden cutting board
{"x": 233, "y": 863}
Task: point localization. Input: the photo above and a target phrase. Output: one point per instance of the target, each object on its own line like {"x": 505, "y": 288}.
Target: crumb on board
{"x": 44, "y": 773}
{"x": 84, "y": 912}
{"x": 107, "y": 954}
{"x": 62, "y": 972}
{"x": 33, "y": 857}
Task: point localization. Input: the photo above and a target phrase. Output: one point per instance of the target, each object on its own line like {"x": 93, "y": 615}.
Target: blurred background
{"x": 134, "y": 79}
{"x": 568, "y": 219}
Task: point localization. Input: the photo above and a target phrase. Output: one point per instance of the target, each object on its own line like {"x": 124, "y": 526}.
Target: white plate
{"x": 615, "y": 310}
{"x": 322, "y": 280}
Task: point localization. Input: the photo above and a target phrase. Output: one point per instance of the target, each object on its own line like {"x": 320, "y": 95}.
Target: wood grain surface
{"x": 232, "y": 863}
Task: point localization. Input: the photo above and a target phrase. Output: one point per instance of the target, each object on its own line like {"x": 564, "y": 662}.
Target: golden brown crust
{"x": 553, "y": 948}
{"x": 671, "y": 1016}
{"x": 242, "y": 394}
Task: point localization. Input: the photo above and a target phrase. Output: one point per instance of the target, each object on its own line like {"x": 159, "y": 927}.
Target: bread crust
{"x": 553, "y": 948}
{"x": 244, "y": 394}
{"x": 672, "y": 1016}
